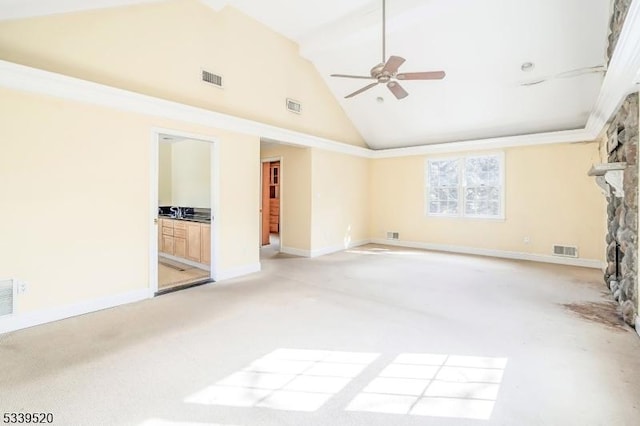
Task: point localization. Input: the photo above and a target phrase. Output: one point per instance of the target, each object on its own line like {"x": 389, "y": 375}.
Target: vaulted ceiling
{"x": 481, "y": 45}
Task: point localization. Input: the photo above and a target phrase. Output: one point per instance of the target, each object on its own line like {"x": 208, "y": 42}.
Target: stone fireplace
{"x": 619, "y": 180}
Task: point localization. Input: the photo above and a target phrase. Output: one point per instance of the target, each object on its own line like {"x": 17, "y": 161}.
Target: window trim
{"x": 461, "y": 186}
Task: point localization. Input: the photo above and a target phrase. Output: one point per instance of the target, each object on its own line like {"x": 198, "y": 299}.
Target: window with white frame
{"x": 470, "y": 186}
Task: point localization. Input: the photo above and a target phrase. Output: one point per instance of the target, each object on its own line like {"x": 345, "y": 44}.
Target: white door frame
{"x": 154, "y": 175}
{"x": 269, "y": 160}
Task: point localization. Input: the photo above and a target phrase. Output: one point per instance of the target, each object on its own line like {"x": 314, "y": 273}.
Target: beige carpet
{"x": 370, "y": 336}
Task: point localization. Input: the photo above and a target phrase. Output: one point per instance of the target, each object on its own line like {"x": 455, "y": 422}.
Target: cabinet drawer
{"x": 180, "y": 233}
{"x": 273, "y": 219}
{"x": 167, "y": 223}
{"x": 167, "y": 231}
{"x": 179, "y": 225}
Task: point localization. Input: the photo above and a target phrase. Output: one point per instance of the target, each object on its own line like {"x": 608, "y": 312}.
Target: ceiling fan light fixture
{"x": 386, "y": 72}
{"x": 527, "y": 66}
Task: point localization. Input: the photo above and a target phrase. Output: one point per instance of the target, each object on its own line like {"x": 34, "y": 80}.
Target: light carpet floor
{"x": 369, "y": 336}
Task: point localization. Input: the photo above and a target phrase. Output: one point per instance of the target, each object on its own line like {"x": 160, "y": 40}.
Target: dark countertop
{"x": 187, "y": 218}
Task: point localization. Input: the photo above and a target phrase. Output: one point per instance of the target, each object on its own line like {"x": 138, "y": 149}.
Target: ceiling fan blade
{"x": 354, "y": 76}
{"x": 429, "y": 75}
{"x": 392, "y": 64}
{"x": 357, "y": 92}
{"x": 397, "y": 90}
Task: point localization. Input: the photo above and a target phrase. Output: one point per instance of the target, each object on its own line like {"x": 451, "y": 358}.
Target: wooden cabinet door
{"x": 167, "y": 244}
{"x": 180, "y": 247}
{"x": 194, "y": 241}
{"x": 205, "y": 244}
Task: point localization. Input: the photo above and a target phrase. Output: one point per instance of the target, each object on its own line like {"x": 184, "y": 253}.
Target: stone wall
{"x": 621, "y": 274}
{"x": 622, "y": 238}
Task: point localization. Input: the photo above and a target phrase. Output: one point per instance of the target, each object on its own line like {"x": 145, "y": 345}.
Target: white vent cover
{"x": 393, "y": 235}
{"x": 209, "y": 77}
{"x": 7, "y": 291}
{"x": 566, "y": 251}
{"x": 294, "y": 106}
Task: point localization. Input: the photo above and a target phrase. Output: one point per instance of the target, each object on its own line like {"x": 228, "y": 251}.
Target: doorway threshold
{"x": 179, "y": 287}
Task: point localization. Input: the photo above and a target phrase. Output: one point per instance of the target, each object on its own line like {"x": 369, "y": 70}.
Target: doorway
{"x": 183, "y": 203}
{"x": 271, "y": 219}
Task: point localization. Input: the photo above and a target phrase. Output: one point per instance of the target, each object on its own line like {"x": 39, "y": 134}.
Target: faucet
{"x": 177, "y": 213}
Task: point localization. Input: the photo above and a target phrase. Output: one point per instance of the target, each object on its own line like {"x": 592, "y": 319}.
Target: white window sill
{"x": 460, "y": 217}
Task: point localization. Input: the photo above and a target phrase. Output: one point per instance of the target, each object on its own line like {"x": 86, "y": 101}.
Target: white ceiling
{"x": 480, "y": 44}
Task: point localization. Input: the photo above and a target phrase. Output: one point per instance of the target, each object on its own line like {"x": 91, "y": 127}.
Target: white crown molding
{"x": 620, "y": 80}
{"x": 622, "y": 75}
{"x": 33, "y": 80}
{"x": 19, "y": 9}
{"x": 23, "y": 78}
{"x": 565, "y": 136}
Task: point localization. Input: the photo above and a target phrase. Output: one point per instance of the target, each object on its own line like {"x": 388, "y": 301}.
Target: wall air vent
{"x": 211, "y": 78}
{"x": 566, "y": 251}
{"x": 393, "y": 235}
{"x": 7, "y": 293}
{"x": 294, "y": 106}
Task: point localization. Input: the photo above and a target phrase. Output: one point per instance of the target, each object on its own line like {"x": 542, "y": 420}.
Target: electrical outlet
{"x": 526, "y": 240}
{"x": 22, "y": 287}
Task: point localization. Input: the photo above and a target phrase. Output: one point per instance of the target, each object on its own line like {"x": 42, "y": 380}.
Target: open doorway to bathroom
{"x": 184, "y": 213}
{"x": 270, "y": 206}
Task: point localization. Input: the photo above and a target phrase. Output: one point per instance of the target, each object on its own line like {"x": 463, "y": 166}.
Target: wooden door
{"x": 180, "y": 247}
{"x": 167, "y": 244}
{"x": 193, "y": 242}
{"x": 205, "y": 241}
{"x": 265, "y": 204}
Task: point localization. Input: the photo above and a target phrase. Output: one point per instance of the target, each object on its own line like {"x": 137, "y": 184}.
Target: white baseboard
{"x": 19, "y": 321}
{"x": 295, "y": 251}
{"x": 587, "y": 263}
{"x": 227, "y": 274}
{"x": 335, "y": 249}
{"x": 185, "y": 261}
{"x": 321, "y": 251}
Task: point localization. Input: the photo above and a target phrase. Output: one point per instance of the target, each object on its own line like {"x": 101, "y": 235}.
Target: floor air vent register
{"x": 565, "y": 251}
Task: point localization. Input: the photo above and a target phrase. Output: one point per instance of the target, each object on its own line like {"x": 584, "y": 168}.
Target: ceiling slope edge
{"x": 28, "y": 79}
{"x": 620, "y": 80}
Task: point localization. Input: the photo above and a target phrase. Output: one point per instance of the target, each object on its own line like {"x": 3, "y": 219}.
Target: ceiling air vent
{"x": 566, "y": 251}
{"x": 7, "y": 291}
{"x": 393, "y": 235}
{"x": 294, "y": 106}
{"x": 211, "y": 78}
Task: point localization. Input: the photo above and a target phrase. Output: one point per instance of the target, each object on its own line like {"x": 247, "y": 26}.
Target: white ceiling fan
{"x": 387, "y": 71}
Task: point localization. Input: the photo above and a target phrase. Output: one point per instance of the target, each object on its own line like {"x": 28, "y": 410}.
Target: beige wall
{"x": 159, "y": 49}
{"x": 164, "y": 174}
{"x": 79, "y": 224}
{"x": 295, "y": 194}
{"x": 548, "y": 198}
{"x": 191, "y": 174}
{"x": 340, "y": 212}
